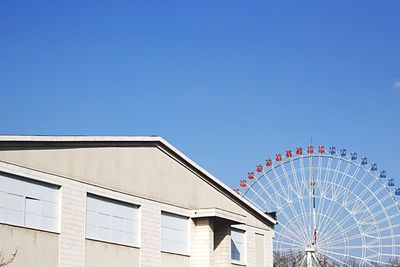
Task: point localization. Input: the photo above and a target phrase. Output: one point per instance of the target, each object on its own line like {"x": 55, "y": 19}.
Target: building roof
{"x": 14, "y": 141}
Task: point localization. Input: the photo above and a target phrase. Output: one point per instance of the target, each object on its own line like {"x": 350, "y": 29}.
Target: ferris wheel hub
{"x": 311, "y": 248}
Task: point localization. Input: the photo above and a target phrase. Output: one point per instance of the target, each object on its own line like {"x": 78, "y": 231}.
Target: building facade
{"x": 121, "y": 201}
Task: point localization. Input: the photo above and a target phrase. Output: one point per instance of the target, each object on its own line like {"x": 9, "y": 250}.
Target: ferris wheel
{"x": 333, "y": 208}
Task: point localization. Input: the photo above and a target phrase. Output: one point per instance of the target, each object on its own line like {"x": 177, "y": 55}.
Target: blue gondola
{"x": 332, "y": 150}
{"x": 397, "y": 191}
{"x": 343, "y": 152}
{"x": 364, "y": 161}
{"x": 353, "y": 156}
{"x": 374, "y": 167}
{"x": 390, "y": 182}
{"x": 382, "y": 174}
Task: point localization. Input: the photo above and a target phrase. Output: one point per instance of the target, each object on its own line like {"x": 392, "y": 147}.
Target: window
{"x": 111, "y": 220}
{"x": 237, "y": 245}
{"x": 174, "y": 233}
{"x": 28, "y": 203}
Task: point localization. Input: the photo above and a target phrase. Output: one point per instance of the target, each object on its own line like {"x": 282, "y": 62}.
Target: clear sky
{"x": 229, "y": 83}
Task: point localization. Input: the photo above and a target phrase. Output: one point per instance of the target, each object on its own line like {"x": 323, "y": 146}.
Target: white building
{"x": 121, "y": 201}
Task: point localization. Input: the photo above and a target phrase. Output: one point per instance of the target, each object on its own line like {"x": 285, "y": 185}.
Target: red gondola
{"x": 250, "y": 175}
{"x": 310, "y": 149}
{"x": 299, "y": 151}
{"x": 259, "y": 168}
{"x": 289, "y": 153}
{"x": 243, "y": 183}
{"x": 268, "y": 162}
{"x": 278, "y": 157}
{"x": 321, "y": 149}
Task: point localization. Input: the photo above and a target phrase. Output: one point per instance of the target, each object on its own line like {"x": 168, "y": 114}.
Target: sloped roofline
{"x": 151, "y": 139}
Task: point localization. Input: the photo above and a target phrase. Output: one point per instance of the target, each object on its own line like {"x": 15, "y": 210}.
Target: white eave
{"x": 44, "y": 138}
{"x": 219, "y": 213}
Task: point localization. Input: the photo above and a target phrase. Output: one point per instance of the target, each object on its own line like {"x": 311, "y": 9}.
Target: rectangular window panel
{"x": 237, "y": 245}
{"x": 174, "y": 233}
{"x": 33, "y": 212}
{"x": 112, "y": 220}
{"x": 29, "y": 203}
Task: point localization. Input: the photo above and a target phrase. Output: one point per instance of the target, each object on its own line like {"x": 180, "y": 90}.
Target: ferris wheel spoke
{"x": 376, "y": 203}
{"x": 283, "y": 189}
{"x": 391, "y": 237}
{"x": 298, "y": 233}
{"x": 293, "y": 238}
{"x": 329, "y": 239}
{"x": 323, "y": 191}
{"x": 358, "y": 183}
{"x": 359, "y": 247}
{"x": 303, "y": 177}
{"x": 297, "y": 181}
{"x": 339, "y": 213}
{"x": 333, "y": 216}
{"x": 325, "y": 223}
{"x": 348, "y": 217}
{"x": 298, "y": 220}
{"x": 282, "y": 211}
{"x": 352, "y": 179}
{"x": 324, "y": 220}
{"x": 300, "y": 184}
{"x": 292, "y": 244}
{"x": 395, "y": 226}
{"x": 341, "y": 180}
{"x": 275, "y": 200}
{"x": 324, "y": 182}
{"x": 335, "y": 175}
{"x": 277, "y": 193}
{"x": 368, "y": 220}
{"x": 383, "y": 209}
{"x": 257, "y": 196}
{"x": 263, "y": 188}
{"x": 285, "y": 174}
{"x": 347, "y": 239}
{"x": 347, "y": 230}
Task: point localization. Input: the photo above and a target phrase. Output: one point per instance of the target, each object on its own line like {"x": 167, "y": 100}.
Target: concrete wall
{"x": 202, "y": 242}
{"x": 259, "y": 250}
{"x": 174, "y": 260}
{"x": 102, "y": 254}
{"x": 222, "y": 244}
{"x": 142, "y": 171}
{"x": 35, "y": 248}
{"x": 268, "y": 256}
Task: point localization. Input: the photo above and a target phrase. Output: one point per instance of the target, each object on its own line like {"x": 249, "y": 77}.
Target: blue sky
{"x": 229, "y": 83}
